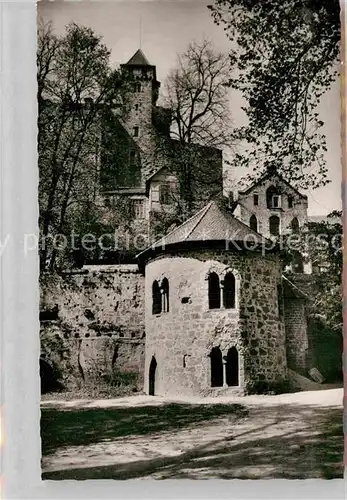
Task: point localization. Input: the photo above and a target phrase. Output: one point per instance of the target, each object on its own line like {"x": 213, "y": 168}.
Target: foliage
{"x": 122, "y": 379}
{"x": 320, "y": 245}
{"x": 75, "y": 86}
{"x": 326, "y": 253}
{"x": 284, "y": 56}
{"x": 199, "y": 175}
{"x": 269, "y": 388}
{"x": 196, "y": 93}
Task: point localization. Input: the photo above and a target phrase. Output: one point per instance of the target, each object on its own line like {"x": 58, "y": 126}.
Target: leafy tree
{"x": 320, "y": 244}
{"x": 284, "y": 56}
{"x": 198, "y": 170}
{"x": 76, "y": 88}
{"x": 325, "y": 252}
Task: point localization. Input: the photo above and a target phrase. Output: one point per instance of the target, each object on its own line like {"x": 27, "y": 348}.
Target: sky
{"x": 164, "y": 28}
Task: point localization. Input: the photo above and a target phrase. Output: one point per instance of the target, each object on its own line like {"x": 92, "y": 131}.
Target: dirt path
{"x": 289, "y": 436}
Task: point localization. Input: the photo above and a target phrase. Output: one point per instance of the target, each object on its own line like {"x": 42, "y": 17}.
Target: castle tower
{"x": 142, "y": 102}
{"x": 213, "y": 315}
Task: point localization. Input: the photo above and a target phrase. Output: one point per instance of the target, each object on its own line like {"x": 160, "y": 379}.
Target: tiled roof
{"x": 138, "y": 59}
{"x": 210, "y": 224}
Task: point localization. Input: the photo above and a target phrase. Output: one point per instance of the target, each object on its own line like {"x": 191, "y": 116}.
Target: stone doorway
{"x": 232, "y": 367}
{"x": 152, "y": 371}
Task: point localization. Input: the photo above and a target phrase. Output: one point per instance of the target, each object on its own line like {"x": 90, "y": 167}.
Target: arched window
{"x": 213, "y": 291}
{"x": 297, "y": 262}
{"x": 274, "y": 223}
{"x": 165, "y": 295}
{"x": 165, "y": 195}
{"x": 229, "y": 291}
{"x": 232, "y": 368}
{"x": 216, "y": 367}
{"x": 280, "y": 299}
{"x": 151, "y": 378}
{"x": 156, "y": 298}
{"x": 273, "y": 197}
{"x": 295, "y": 225}
{"x": 253, "y": 223}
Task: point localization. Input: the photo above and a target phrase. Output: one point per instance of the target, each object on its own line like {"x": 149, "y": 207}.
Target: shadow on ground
{"x": 82, "y": 427}
{"x": 288, "y": 442}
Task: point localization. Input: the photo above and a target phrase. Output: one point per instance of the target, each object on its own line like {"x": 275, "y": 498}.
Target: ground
{"x": 291, "y": 436}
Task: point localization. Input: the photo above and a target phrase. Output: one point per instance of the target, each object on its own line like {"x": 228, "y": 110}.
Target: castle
{"x": 145, "y": 168}
{"x": 206, "y": 309}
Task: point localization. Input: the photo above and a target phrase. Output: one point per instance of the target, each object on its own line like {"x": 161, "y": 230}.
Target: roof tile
{"x": 138, "y": 59}
{"x": 209, "y": 224}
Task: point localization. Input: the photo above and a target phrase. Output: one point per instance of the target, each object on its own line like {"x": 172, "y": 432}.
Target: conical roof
{"x": 210, "y": 225}
{"x": 138, "y": 59}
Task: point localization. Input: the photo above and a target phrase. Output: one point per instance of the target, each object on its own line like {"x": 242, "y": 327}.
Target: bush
{"x": 121, "y": 379}
{"x": 269, "y": 388}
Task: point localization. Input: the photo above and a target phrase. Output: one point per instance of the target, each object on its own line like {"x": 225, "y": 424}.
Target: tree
{"x": 325, "y": 252}
{"x": 284, "y": 54}
{"x": 76, "y": 88}
{"x": 196, "y": 94}
{"x": 199, "y": 173}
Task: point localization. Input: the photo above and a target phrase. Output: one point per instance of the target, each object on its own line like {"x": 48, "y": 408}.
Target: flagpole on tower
{"x": 140, "y": 31}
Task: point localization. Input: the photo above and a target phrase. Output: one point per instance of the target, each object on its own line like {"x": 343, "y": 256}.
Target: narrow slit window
{"x": 165, "y": 295}
{"x": 295, "y": 225}
{"x": 253, "y": 223}
{"x": 156, "y": 298}
{"x": 274, "y": 224}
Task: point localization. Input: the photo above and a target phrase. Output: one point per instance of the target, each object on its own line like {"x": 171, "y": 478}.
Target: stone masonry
{"x": 97, "y": 324}
{"x": 296, "y": 334}
{"x": 181, "y": 339}
{"x": 104, "y": 320}
{"x": 285, "y": 212}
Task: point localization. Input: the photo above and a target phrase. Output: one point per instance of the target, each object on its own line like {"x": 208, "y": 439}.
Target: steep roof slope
{"x": 210, "y": 224}
{"x": 268, "y": 175}
{"x": 138, "y": 59}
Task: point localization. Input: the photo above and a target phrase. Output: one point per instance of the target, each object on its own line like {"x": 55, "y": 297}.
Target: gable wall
{"x": 286, "y": 215}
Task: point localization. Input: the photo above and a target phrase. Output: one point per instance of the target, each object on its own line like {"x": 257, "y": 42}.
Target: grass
{"x": 119, "y": 384}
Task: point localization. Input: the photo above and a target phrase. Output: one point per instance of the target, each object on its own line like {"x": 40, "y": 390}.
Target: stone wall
{"x": 141, "y": 115}
{"x": 286, "y": 214}
{"x": 296, "y": 334}
{"x": 93, "y": 324}
{"x": 97, "y": 324}
{"x": 181, "y": 339}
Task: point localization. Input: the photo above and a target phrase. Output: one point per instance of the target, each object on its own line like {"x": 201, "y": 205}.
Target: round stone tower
{"x": 213, "y": 315}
